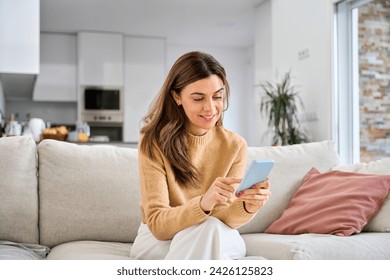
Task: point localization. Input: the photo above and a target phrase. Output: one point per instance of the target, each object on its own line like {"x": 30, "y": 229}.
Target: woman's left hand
{"x": 255, "y": 197}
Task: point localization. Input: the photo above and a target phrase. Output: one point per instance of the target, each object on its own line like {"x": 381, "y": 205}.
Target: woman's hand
{"x": 220, "y": 191}
{"x": 255, "y": 197}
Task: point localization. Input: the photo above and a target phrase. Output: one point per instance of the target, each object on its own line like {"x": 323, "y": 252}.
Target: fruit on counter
{"x": 83, "y": 137}
{"x": 75, "y": 136}
{"x": 58, "y": 133}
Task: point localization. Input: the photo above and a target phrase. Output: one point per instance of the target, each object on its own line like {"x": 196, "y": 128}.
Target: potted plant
{"x": 280, "y": 105}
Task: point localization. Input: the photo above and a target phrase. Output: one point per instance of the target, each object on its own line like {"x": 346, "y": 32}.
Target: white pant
{"x": 209, "y": 240}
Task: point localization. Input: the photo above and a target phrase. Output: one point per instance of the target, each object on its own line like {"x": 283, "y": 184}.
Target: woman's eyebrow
{"x": 201, "y": 93}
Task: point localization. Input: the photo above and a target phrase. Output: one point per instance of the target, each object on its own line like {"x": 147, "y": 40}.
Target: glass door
{"x": 363, "y": 79}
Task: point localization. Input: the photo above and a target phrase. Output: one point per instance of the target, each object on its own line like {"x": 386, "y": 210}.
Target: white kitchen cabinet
{"x": 19, "y": 36}
{"x": 57, "y": 78}
{"x": 144, "y": 76}
{"x": 100, "y": 59}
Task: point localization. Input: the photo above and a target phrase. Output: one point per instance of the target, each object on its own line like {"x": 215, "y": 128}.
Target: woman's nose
{"x": 208, "y": 105}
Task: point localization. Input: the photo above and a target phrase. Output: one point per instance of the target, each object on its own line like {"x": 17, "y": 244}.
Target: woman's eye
{"x": 217, "y": 97}
{"x": 198, "y": 99}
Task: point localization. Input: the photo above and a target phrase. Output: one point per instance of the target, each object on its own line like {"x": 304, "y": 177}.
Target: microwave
{"x": 102, "y": 105}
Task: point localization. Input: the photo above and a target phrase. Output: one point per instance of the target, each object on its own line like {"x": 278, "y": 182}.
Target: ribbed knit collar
{"x": 194, "y": 140}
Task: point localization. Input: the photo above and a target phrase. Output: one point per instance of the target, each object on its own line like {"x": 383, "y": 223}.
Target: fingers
{"x": 219, "y": 192}
{"x": 256, "y": 196}
{"x": 261, "y": 188}
{"x": 227, "y": 183}
{"x": 229, "y": 180}
{"x": 254, "y": 202}
{"x": 262, "y": 185}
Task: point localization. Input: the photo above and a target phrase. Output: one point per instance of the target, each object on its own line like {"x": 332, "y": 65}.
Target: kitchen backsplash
{"x": 53, "y": 112}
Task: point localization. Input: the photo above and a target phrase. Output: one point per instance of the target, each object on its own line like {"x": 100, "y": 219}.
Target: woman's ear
{"x": 176, "y": 97}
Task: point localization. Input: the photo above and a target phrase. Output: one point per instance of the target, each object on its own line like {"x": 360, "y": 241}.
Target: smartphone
{"x": 257, "y": 172}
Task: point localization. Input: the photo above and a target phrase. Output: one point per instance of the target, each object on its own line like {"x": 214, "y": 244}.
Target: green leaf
{"x": 280, "y": 105}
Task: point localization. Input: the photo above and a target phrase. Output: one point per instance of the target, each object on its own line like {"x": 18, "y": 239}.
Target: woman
{"x": 190, "y": 167}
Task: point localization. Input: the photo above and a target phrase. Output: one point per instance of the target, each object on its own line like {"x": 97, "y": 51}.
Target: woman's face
{"x": 202, "y": 102}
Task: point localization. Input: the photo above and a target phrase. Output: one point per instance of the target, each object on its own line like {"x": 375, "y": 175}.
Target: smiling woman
{"x": 190, "y": 166}
{"x": 202, "y": 103}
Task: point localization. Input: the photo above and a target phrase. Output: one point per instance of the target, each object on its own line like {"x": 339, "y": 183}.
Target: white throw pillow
{"x": 381, "y": 221}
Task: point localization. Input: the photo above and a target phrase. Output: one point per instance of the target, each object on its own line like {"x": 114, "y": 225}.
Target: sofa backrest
{"x": 18, "y": 190}
{"x": 292, "y": 163}
{"x": 92, "y": 192}
{"x": 87, "y": 193}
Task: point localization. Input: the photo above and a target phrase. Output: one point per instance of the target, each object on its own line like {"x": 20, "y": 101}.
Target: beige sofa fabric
{"x": 18, "y": 190}
{"x": 287, "y": 175}
{"x": 87, "y": 193}
{"x": 362, "y": 246}
{"x": 91, "y": 250}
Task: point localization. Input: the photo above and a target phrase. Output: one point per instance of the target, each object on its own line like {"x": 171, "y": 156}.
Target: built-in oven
{"x": 102, "y": 109}
{"x": 106, "y": 132}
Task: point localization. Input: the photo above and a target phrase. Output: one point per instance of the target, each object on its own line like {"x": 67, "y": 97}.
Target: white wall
{"x": 238, "y": 64}
{"x": 262, "y": 72}
{"x": 296, "y": 26}
{"x": 144, "y": 75}
{"x": 295, "y": 29}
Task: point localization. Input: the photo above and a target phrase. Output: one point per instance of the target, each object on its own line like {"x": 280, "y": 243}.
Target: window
{"x": 363, "y": 79}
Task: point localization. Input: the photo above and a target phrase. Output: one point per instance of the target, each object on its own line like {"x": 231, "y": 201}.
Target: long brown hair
{"x": 164, "y": 124}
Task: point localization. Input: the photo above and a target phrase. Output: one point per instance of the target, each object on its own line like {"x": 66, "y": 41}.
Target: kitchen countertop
{"x": 114, "y": 143}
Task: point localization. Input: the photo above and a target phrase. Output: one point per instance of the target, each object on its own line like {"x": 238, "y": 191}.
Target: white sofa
{"x": 66, "y": 201}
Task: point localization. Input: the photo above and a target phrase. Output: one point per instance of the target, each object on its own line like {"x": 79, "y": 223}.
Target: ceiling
{"x": 227, "y": 23}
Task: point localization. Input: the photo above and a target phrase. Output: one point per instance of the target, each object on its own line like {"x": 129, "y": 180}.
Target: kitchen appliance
{"x": 36, "y": 126}
{"x": 104, "y": 132}
{"x": 102, "y": 105}
{"x": 13, "y": 128}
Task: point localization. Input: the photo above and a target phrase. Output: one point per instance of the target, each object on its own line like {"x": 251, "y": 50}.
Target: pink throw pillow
{"x": 334, "y": 202}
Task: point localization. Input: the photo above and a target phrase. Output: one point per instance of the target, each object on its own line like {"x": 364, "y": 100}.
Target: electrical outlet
{"x": 303, "y": 53}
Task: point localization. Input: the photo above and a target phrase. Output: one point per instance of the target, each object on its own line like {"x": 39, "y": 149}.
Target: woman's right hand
{"x": 220, "y": 191}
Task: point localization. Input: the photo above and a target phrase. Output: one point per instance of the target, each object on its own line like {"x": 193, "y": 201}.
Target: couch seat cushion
{"x": 90, "y": 250}
{"x": 22, "y": 251}
{"x": 365, "y": 245}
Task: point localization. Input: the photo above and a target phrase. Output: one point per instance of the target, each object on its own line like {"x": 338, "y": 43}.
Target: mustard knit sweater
{"x": 168, "y": 208}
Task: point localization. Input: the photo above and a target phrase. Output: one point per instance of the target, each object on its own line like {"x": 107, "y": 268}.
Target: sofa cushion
{"x": 363, "y": 246}
{"x": 291, "y": 165}
{"x": 334, "y": 202}
{"x": 87, "y": 193}
{"x": 381, "y": 221}
{"x": 90, "y": 250}
{"x": 18, "y": 190}
{"x": 22, "y": 251}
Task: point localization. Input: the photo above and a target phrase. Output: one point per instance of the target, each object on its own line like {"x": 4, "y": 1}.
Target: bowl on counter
{"x": 99, "y": 139}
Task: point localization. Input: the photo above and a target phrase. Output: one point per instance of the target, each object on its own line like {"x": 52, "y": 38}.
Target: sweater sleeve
{"x": 163, "y": 220}
{"x": 233, "y": 212}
